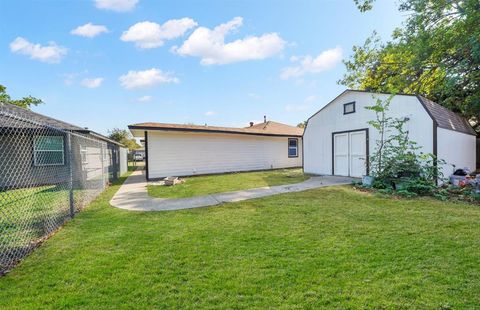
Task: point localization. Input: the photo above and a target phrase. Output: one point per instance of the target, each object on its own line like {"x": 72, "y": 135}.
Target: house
{"x": 338, "y": 139}
{"x": 184, "y": 150}
{"x": 37, "y": 150}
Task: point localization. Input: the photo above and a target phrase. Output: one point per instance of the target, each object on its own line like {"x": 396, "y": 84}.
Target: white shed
{"x": 184, "y": 150}
{"x": 338, "y": 139}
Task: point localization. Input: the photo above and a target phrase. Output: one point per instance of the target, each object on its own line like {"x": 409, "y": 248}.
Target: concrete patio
{"x": 133, "y": 194}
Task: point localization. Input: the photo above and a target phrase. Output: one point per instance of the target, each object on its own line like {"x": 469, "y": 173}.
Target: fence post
{"x": 102, "y": 148}
{"x": 70, "y": 182}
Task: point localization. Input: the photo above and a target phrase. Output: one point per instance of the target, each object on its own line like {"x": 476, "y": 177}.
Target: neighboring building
{"x": 183, "y": 150}
{"x": 34, "y": 149}
{"x": 338, "y": 138}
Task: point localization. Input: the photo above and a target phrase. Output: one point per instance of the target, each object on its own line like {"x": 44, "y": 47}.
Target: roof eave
{"x": 134, "y": 127}
{"x": 471, "y": 131}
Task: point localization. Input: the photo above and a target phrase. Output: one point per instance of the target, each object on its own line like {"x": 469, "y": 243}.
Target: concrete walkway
{"x": 133, "y": 194}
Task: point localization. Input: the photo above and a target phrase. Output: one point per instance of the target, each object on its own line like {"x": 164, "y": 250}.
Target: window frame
{"x": 345, "y": 106}
{"x": 35, "y": 151}
{"x": 296, "y": 147}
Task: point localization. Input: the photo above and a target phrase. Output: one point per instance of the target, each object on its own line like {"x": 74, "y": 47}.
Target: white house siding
{"x": 456, "y": 148}
{"x": 318, "y": 134}
{"x": 186, "y": 153}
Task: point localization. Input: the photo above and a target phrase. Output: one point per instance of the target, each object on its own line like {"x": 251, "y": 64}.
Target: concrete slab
{"x": 133, "y": 194}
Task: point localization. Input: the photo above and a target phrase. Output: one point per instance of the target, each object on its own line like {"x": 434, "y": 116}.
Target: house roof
{"x": 269, "y": 128}
{"x": 443, "y": 117}
{"x": 446, "y": 118}
{"x": 39, "y": 120}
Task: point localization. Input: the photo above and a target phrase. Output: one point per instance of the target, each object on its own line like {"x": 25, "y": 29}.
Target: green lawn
{"x": 324, "y": 248}
{"x": 211, "y": 184}
{"x": 133, "y": 165}
{"x": 28, "y": 215}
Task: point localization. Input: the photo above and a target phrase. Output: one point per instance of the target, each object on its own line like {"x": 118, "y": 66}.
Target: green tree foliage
{"x": 124, "y": 137}
{"x": 397, "y": 159}
{"x": 25, "y": 102}
{"x": 435, "y": 53}
{"x": 364, "y": 5}
{"x": 302, "y": 124}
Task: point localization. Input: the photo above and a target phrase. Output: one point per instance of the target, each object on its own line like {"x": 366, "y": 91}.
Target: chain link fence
{"x": 46, "y": 175}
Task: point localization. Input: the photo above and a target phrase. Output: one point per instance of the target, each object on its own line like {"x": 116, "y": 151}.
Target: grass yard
{"x": 211, "y": 184}
{"x": 28, "y": 215}
{"x": 324, "y": 248}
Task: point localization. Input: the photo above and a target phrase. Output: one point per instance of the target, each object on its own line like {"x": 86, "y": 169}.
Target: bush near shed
{"x": 398, "y": 168}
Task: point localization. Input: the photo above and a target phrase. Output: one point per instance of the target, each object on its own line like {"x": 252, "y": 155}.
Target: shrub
{"x": 397, "y": 162}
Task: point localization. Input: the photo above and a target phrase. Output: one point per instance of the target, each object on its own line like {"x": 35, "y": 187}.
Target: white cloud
{"x": 150, "y": 35}
{"x": 92, "y": 83}
{"x": 89, "y": 30}
{"x": 326, "y": 60}
{"x": 116, "y": 5}
{"x": 146, "y": 78}
{"x": 210, "y": 45}
{"x": 145, "y": 98}
{"x": 210, "y": 113}
{"x": 51, "y": 53}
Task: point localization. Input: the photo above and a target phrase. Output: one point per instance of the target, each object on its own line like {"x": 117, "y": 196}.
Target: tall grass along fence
{"x": 47, "y": 174}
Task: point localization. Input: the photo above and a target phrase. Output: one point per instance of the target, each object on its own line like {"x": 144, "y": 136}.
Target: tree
{"x": 25, "y": 102}
{"x": 397, "y": 160}
{"x": 124, "y": 137}
{"x": 435, "y": 53}
{"x": 302, "y": 124}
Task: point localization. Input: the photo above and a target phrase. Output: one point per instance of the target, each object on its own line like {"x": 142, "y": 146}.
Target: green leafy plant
{"x": 397, "y": 162}
{"x": 124, "y": 137}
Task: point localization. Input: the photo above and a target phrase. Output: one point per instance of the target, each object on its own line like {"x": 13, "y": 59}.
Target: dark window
{"x": 292, "y": 147}
{"x": 349, "y": 108}
{"x": 48, "y": 151}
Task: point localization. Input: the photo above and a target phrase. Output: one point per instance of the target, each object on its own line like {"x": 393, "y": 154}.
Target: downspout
{"x": 146, "y": 155}
{"x": 435, "y": 149}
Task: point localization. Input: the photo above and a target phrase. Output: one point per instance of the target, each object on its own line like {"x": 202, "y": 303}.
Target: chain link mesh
{"x": 46, "y": 176}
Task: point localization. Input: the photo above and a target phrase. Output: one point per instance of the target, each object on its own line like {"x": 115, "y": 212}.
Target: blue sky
{"x": 216, "y": 62}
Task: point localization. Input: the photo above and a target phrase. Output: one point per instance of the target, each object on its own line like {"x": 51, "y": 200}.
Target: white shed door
{"x": 340, "y": 143}
{"x": 350, "y": 153}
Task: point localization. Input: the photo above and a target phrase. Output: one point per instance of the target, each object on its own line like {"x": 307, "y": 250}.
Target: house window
{"x": 48, "y": 151}
{"x": 292, "y": 147}
{"x": 349, "y": 108}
